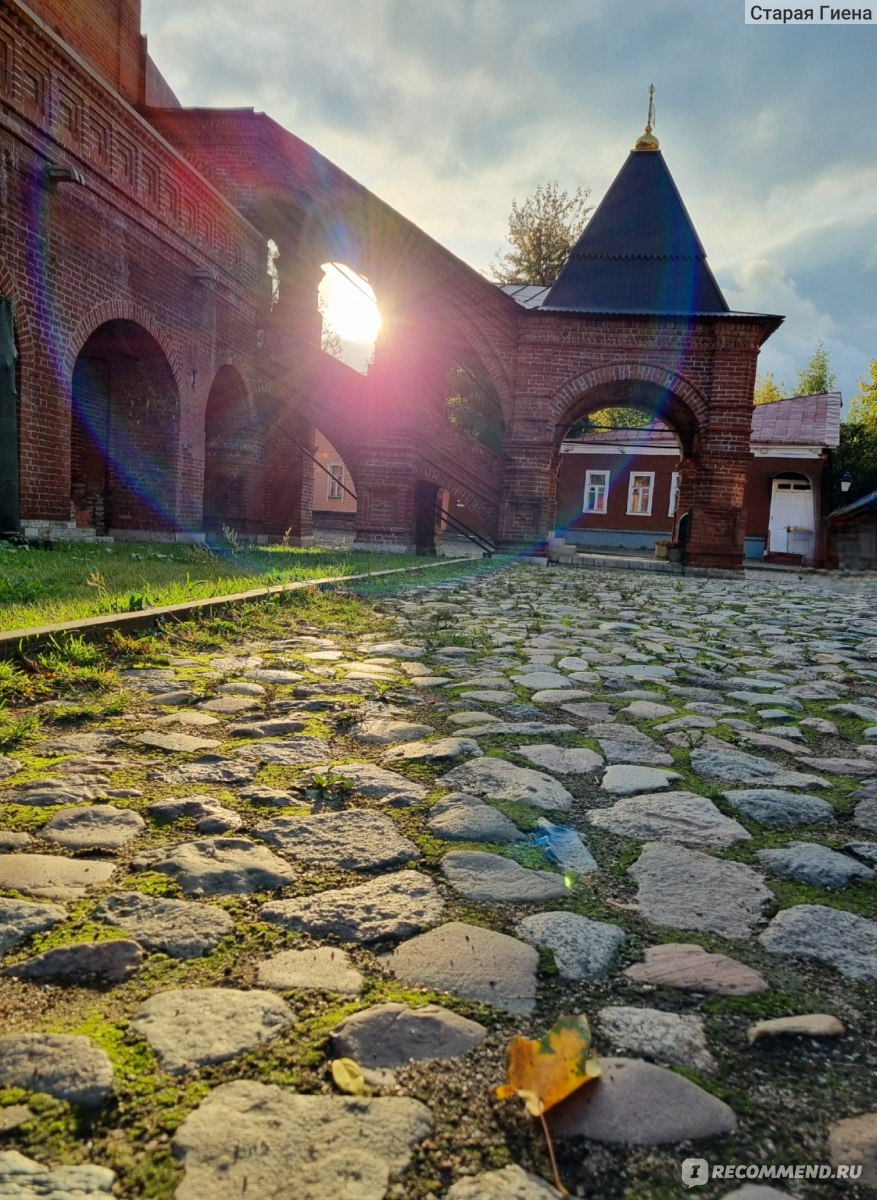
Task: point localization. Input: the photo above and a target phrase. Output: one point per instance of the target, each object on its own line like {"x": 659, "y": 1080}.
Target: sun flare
{"x": 348, "y": 304}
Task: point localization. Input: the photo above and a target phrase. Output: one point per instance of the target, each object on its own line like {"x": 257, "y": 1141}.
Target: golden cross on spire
{"x": 648, "y": 141}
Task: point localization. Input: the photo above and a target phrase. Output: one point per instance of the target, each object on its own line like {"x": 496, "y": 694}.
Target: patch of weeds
{"x": 861, "y": 899}
{"x": 15, "y": 685}
{"x": 531, "y": 857}
{"x": 760, "y": 1006}
{"x": 76, "y": 931}
{"x": 95, "y": 710}
{"x": 70, "y": 650}
{"x": 135, "y": 650}
{"x": 524, "y": 817}
{"x": 152, "y": 883}
{"x": 329, "y": 788}
{"x": 547, "y": 967}
{"x": 16, "y": 729}
{"x": 27, "y": 818}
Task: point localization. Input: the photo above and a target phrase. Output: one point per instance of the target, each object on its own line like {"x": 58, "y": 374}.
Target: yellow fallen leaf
{"x": 545, "y": 1072}
{"x": 348, "y": 1077}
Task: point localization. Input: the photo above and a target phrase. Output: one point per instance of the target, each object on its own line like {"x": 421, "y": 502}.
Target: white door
{"x": 792, "y": 527}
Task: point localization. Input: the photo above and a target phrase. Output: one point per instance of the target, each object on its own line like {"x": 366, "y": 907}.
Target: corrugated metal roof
{"x": 528, "y": 295}
{"x": 639, "y": 252}
{"x": 864, "y": 505}
{"x": 656, "y": 436}
{"x": 798, "y": 421}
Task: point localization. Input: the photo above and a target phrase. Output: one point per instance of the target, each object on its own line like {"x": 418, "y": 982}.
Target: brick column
{"x": 718, "y": 515}
{"x": 289, "y": 484}
{"x": 526, "y": 509}
{"x": 406, "y": 378}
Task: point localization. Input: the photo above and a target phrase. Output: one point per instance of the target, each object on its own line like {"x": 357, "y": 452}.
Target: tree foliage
{"x": 542, "y": 232}
{"x": 607, "y": 419}
{"x": 863, "y": 406}
{"x": 330, "y": 339}
{"x": 473, "y": 406}
{"x": 767, "y": 390}
{"x": 856, "y": 456}
{"x": 817, "y": 377}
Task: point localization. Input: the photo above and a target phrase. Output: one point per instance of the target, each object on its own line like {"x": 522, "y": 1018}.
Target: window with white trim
{"x": 674, "y": 494}
{"x": 335, "y": 480}
{"x": 596, "y": 491}
{"x": 639, "y": 493}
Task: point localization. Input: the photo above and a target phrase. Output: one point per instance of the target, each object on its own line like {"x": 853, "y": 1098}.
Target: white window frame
{"x": 633, "y": 487}
{"x": 590, "y": 481}
{"x": 674, "y": 493}
{"x": 334, "y": 481}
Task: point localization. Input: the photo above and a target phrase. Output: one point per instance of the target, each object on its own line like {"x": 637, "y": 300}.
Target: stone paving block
{"x": 690, "y": 890}
{"x": 390, "y": 1035}
{"x": 62, "y": 1065}
{"x": 194, "y": 1027}
{"x": 389, "y": 907}
{"x": 480, "y": 876}
{"x": 634, "y": 1103}
{"x": 472, "y": 962}
{"x": 356, "y": 839}
{"x": 52, "y": 877}
{"x": 245, "y": 1136}
{"x": 498, "y": 779}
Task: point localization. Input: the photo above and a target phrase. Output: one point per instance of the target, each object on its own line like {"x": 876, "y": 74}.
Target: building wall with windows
{"x": 332, "y": 504}
{"x": 616, "y": 495}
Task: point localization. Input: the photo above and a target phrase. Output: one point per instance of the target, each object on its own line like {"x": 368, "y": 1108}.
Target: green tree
{"x": 817, "y": 377}
{"x": 473, "y": 406}
{"x": 863, "y": 406}
{"x": 856, "y": 456}
{"x": 607, "y": 419}
{"x": 330, "y": 339}
{"x": 767, "y": 390}
{"x": 542, "y": 232}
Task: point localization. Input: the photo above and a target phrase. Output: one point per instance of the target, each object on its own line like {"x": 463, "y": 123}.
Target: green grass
{"x": 71, "y": 581}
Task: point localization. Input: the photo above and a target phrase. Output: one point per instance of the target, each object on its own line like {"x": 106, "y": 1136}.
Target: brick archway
{"x": 627, "y": 385}
{"x": 121, "y": 310}
{"x": 124, "y": 433}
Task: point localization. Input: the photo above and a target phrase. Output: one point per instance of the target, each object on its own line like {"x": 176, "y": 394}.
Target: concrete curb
{"x": 11, "y": 641}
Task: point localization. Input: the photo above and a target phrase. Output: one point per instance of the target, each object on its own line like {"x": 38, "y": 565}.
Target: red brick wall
{"x": 126, "y": 243}
{"x": 106, "y": 33}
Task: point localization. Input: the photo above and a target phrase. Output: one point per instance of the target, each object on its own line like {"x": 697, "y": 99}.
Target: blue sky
{"x": 450, "y": 110}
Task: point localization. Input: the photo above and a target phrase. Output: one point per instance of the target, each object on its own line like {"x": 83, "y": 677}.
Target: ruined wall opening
{"x": 349, "y": 311}
{"x": 472, "y": 403}
{"x": 620, "y": 452}
{"x": 124, "y": 433}
{"x": 335, "y": 500}
{"x": 233, "y": 446}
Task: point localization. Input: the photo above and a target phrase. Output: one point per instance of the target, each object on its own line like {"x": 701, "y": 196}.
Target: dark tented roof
{"x": 639, "y": 252}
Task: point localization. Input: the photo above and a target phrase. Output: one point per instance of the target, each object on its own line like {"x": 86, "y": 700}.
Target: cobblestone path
{"x": 653, "y": 802}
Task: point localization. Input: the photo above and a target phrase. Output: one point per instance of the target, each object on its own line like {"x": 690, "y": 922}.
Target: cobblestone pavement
{"x": 650, "y": 801}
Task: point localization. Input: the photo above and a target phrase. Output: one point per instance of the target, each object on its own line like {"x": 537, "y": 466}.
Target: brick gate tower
{"x": 637, "y": 320}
